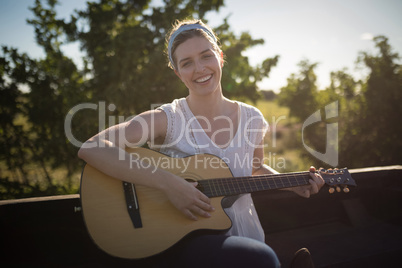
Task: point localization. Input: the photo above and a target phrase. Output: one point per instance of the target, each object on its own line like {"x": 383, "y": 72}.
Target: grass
{"x": 13, "y": 185}
{"x": 282, "y": 139}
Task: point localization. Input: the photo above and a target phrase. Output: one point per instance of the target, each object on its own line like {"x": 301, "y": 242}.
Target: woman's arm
{"x": 106, "y": 152}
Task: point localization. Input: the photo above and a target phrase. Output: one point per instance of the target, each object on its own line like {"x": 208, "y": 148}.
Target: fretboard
{"x": 240, "y": 185}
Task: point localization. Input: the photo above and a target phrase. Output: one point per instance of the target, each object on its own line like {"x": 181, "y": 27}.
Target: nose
{"x": 199, "y": 66}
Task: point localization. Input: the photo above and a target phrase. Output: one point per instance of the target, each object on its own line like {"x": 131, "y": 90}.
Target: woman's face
{"x": 199, "y": 66}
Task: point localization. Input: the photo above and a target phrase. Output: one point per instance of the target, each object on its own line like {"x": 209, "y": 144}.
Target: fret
{"x": 233, "y": 186}
{"x": 296, "y": 180}
{"x": 290, "y": 184}
{"x": 250, "y": 187}
{"x": 255, "y": 184}
{"x": 229, "y": 186}
{"x": 276, "y": 186}
{"x": 244, "y": 184}
{"x": 222, "y": 187}
{"x": 218, "y": 186}
{"x": 225, "y": 185}
{"x": 269, "y": 184}
{"x": 210, "y": 188}
{"x": 255, "y": 187}
{"x": 262, "y": 185}
{"x": 274, "y": 183}
{"x": 292, "y": 181}
{"x": 284, "y": 182}
{"x": 214, "y": 185}
{"x": 294, "y": 176}
{"x": 238, "y": 186}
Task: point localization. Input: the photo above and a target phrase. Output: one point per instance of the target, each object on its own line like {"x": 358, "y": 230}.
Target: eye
{"x": 185, "y": 64}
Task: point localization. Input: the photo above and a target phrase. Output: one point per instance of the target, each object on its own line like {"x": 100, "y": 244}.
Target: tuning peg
{"x": 338, "y": 189}
{"x": 331, "y": 190}
{"x": 321, "y": 170}
{"x": 346, "y": 189}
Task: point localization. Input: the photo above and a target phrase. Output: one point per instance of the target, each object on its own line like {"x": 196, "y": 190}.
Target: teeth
{"x": 205, "y": 78}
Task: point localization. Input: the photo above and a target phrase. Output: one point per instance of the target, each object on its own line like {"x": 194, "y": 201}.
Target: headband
{"x": 183, "y": 28}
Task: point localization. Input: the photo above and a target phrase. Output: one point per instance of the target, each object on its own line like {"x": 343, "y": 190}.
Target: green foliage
{"x": 377, "y": 125}
{"x": 124, "y": 65}
{"x": 124, "y": 44}
{"x": 369, "y": 134}
{"x": 239, "y": 79}
{"x": 299, "y": 94}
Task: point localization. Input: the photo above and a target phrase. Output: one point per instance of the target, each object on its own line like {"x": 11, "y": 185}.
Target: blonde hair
{"x": 183, "y": 36}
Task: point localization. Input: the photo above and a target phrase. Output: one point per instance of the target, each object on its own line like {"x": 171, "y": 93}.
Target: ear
{"x": 222, "y": 61}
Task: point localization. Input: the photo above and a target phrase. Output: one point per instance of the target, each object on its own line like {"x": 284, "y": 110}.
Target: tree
{"x": 33, "y": 120}
{"x": 300, "y": 92}
{"x": 124, "y": 44}
{"x": 382, "y": 94}
{"x": 124, "y": 65}
{"x": 239, "y": 79}
{"x": 301, "y": 96}
{"x": 368, "y": 110}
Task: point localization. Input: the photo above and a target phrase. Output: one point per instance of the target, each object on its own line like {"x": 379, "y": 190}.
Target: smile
{"x": 204, "y": 79}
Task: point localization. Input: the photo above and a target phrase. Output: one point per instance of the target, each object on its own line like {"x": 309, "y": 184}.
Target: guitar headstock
{"x": 337, "y": 178}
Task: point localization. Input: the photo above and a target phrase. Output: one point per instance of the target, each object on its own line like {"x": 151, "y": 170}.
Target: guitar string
{"x": 226, "y": 186}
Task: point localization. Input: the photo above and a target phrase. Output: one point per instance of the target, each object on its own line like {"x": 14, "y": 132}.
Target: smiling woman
{"x": 203, "y": 123}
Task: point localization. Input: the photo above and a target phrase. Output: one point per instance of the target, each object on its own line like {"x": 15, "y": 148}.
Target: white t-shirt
{"x": 185, "y": 137}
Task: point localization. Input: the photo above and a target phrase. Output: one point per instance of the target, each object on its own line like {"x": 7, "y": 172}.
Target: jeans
{"x": 210, "y": 251}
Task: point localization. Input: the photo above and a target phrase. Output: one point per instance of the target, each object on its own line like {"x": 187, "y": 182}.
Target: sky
{"x": 328, "y": 32}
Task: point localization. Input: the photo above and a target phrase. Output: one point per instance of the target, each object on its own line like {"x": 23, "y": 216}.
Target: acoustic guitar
{"x": 134, "y": 221}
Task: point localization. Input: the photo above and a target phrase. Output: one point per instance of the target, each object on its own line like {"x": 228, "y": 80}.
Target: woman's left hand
{"x": 316, "y": 182}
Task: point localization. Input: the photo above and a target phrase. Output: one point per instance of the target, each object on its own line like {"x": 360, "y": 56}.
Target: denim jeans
{"x": 210, "y": 251}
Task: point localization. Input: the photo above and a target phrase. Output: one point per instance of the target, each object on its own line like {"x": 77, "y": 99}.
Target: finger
{"x": 190, "y": 215}
{"x": 201, "y": 212}
{"x": 314, "y": 187}
{"x": 321, "y": 180}
{"x": 204, "y": 198}
{"x": 312, "y": 169}
{"x": 316, "y": 177}
{"x": 205, "y": 206}
{"x": 305, "y": 193}
{"x": 205, "y": 202}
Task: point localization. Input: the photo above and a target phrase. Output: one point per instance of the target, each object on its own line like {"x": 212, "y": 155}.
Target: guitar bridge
{"x": 133, "y": 207}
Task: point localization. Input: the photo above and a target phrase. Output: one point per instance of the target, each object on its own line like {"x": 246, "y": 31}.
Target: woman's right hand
{"x": 188, "y": 199}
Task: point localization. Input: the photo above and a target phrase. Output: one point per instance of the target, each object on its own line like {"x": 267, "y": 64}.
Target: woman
{"x": 203, "y": 122}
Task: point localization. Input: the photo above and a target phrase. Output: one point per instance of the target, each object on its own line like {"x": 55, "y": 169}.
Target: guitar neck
{"x": 241, "y": 185}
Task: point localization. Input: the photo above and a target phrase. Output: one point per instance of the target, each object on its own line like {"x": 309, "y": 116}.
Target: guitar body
{"x": 110, "y": 226}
